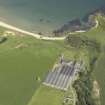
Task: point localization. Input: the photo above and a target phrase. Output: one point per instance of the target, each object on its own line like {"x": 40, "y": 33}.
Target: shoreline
{"x": 37, "y": 36}
{"x": 82, "y": 31}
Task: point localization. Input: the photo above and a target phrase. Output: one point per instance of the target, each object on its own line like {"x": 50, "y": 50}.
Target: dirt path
{"x": 37, "y": 36}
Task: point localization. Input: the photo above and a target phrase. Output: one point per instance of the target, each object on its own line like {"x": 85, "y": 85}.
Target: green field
{"x": 22, "y": 60}
{"x": 47, "y": 96}
{"x": 25, "y": 61}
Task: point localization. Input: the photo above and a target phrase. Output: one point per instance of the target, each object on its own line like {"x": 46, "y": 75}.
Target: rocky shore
{"x": 76, "y": 25}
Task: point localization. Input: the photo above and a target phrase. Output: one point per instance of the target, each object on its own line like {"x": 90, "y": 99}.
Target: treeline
{"x": 90, "y": 45}
{"x": 83, "y": 87}
{"x": 84, "y": 84}
{"x": 78, "y": 41}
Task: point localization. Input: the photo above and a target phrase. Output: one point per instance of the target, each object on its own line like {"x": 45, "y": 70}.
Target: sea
{"x": 44, "y": 15}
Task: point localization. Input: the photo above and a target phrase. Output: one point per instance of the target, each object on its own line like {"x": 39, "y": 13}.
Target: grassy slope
{"x": 99, "y": 70}
{"x": 20, "y": 66}
{"x": 47, "y": 96}
{"x": 99, "y": 73}
{"x": 99, "y": 32}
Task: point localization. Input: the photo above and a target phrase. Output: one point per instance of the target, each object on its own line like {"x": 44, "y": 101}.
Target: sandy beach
{"x": 37, "y": 36}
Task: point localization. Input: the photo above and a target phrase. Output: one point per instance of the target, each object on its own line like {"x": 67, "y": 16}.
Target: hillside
{"x": 25, "y": 62}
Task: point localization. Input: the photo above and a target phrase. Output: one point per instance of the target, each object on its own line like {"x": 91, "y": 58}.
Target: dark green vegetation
{"x": 2, "y": 39}
{"x": 83, "y": 84}
{"x": 93, "y": 42}
{"x": 99, "y": 67}
{"x": 83, "y": 88}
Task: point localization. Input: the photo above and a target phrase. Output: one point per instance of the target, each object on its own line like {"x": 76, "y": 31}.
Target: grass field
{"x": 47, "y": 96}
{"x": 22, "y": 60}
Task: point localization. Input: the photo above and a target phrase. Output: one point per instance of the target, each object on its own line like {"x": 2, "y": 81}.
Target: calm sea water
{"x": 44, "y": 15}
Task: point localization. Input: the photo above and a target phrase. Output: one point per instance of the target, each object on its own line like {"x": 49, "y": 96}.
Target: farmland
{"x": 22, "y": 61}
